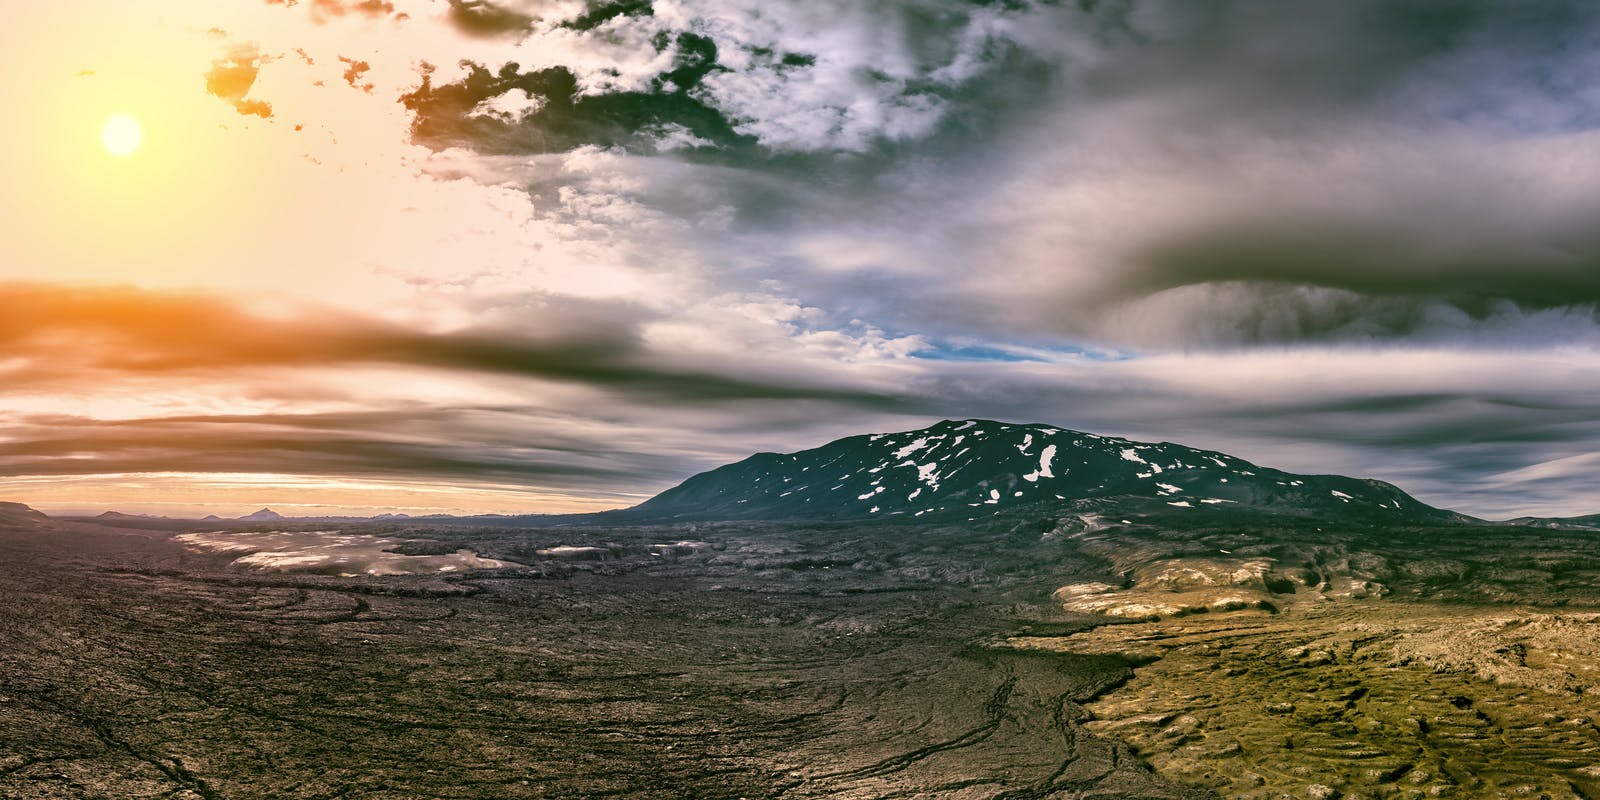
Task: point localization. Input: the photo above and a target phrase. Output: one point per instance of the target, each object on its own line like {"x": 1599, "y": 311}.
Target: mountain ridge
{"x": 961, "y": 466}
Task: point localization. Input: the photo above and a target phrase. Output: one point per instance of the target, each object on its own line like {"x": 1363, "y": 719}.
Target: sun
{"x": 121, "y": 135}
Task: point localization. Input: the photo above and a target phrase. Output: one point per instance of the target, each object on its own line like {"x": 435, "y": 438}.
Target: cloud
{"x": 1461, "y": 429}
{"x": 1239, "y": 174}
{"x": 232, "y": 77}
{"x": 1339, "y": 235}
{"x": 452, "y": 444}
{"x": 355, "y": 68}
{"x": 1360, "y": 236}
{"x": 562, "y": 118}
{"x": 339, "y": 8}
{"x": 85, "y": 333}
{"x": 324, "y": 10}
{"x": 1103, "y": 173}
{"x": 485, "y": 19}
{"x": 599, "y": 13}
{"x": 1368, "y": 184}
{"x": 793, "y": 78}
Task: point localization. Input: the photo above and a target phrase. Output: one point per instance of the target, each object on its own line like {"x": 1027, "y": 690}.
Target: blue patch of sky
{"x": 945, "y": 350}
{"x": 957, "y": 348}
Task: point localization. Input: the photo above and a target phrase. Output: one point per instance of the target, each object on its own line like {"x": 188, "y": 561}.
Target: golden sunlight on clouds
{"x": 143, "y": 161}
{"x": 140, "y": 158}
{"x": 235, "y": 494}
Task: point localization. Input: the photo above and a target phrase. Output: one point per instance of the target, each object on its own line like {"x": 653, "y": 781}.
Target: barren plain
{"x": 1027, "y": 655}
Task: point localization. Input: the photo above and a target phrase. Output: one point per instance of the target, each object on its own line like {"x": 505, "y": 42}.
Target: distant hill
{"x": 1585, "y": 522}
{"x": 264, "y": 515}
{"x": 18, "y": 515}
{"x": 978, "y": 466}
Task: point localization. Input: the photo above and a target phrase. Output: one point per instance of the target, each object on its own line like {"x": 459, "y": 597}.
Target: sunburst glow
{"x": 122, "y": 135}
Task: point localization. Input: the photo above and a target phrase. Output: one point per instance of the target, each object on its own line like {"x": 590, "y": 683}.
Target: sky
{"x": 530, "y": 256}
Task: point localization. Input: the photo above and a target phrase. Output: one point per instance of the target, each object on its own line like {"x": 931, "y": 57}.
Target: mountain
{"x": 19, "y": 515}
{"x": 973, "y": 465}
{"x": 1585, "y": 522}
{"x": 264, "y": 515}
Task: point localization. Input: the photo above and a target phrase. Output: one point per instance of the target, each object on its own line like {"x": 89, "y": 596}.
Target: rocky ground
{"x": 1384, "y": 700}
{"x": 1375, "y": 664}
{"x": 1112, "y": 652}
{"x": 710, "y": 663}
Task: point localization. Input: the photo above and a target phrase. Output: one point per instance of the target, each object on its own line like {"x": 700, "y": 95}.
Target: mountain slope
{"x": 968, "y": 466}
{"x": 21, "y": 516}
{"x": 1585, "y": 522}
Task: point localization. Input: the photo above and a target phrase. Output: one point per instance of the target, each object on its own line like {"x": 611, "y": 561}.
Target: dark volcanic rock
{"x": 968, "y": 466}
{"x": 757, "y": 663}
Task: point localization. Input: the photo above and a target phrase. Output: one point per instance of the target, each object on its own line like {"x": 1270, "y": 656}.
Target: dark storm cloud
{"x": 739, "y": 84}
{"x": 1422, "y": 198}
{"x": 1324, "y": 171}
{"x": 1424, "y": 201}
{"x": 446, "y": 114}
{"x": 599, "y": 13}
{"x": 86, "y": 333}
{"x": 485, "y": 19}
{"x": 1351, "y": 147}
{"x": 1390, "y": 282}
{"x": 1303, "y": 60}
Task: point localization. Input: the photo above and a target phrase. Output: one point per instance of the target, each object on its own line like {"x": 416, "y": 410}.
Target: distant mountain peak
{"x": 264, "y": 515}
{"x": 978, "y": 466}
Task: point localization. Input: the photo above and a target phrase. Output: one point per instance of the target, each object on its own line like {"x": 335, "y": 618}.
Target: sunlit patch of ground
{"x": 1359, "y": 699}
{"x": 331, "y": 553}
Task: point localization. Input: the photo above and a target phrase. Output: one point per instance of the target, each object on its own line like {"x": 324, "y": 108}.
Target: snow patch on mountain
{"x": 1045, "y": 458}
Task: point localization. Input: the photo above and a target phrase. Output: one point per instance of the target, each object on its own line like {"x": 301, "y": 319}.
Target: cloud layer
{"x": 1341, "y": 235}
{"x": 1423, "y": 165}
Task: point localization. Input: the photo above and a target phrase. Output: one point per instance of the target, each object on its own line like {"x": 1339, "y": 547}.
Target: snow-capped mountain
{"x": 264, "y": 515}
{"x": 971, "y": 466}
